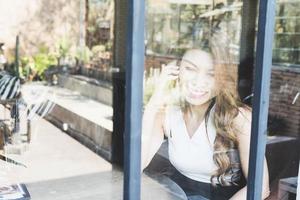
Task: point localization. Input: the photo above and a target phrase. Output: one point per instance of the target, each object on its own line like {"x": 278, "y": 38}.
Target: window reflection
{"x": 283, "y": 144}
{"x": 192, "y": 101}
{"x": 286, "y": 47}
{"x": 56, "y": 100}
{"x": 206, "y": 125}
{"x": 175, "y": 29}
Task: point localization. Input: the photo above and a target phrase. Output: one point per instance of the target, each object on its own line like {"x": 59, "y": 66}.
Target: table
{"x": 287, "y": 186}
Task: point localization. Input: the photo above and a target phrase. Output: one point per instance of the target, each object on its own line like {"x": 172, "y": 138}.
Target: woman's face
{"x": 197, "y": 78}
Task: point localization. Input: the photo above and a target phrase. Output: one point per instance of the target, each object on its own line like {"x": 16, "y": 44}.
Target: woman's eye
{"x": 189, "y": 68}
{"x": 211, "y": 74}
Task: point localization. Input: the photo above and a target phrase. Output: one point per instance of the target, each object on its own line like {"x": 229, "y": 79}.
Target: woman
{"x": 203, "y": 127}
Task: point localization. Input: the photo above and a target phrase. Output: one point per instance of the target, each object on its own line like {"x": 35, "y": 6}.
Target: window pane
{"x": 282, "y": 149}
{"x": 56, "y": 131}
{"x": 195, "y": 128}
{"x": 287, "y": 34}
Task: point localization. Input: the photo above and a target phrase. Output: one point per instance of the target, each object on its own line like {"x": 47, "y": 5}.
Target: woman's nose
{"x": 200, "y": 81}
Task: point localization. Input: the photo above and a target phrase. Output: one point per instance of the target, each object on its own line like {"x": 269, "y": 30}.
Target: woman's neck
{"x": 197, "y": 111}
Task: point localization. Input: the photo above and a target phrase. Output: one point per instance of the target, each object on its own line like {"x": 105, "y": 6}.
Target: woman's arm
{"x": 154, "y": 115}
{"x": 152, "y": 132}
{"x": 243, "y": 125}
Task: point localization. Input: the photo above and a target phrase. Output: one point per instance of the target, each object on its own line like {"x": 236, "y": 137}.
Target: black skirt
{"x": 196, "y": 190}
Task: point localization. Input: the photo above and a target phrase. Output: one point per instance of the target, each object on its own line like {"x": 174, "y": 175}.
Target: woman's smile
{"x": 196, "y": 93}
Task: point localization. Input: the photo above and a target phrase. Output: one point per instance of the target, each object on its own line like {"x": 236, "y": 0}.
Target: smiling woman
{"x": 207, "y": 127}
{"x": 197, "y": 81}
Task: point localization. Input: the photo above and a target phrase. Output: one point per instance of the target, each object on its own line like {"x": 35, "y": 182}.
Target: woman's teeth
{"x": 197, "y": 94}
{"x": 196, "y": 91}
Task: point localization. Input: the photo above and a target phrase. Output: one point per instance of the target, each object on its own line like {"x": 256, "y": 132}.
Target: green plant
{"x": 109, "y": 46}
{"x": 63, "y": 47}
{"x": 98, "y": 49}
{"x": 83, "y": 54}
{"x": 148, "y": 91}
{"x": 26, "y": 66}
{"x": 42, "y": 61}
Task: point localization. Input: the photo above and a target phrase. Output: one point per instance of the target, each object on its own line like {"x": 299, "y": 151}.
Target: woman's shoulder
{"x": 242, "y": 122}
{"x": 245, "y": 113}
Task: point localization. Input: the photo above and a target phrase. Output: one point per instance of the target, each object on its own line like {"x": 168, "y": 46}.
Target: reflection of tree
{"x": 51, "y": 21}
{"x": 190, "y": 25}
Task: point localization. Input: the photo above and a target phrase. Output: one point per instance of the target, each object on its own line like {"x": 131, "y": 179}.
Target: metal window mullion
{"x": 247, "y": 45}
{"x": 133, "y": 101}
{"x": 263, "y": 64}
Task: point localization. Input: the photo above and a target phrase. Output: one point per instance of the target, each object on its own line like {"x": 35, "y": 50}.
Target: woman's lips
{"x": 197, "y": 94}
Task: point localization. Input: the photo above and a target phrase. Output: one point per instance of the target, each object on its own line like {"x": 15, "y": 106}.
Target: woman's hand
{"x": 169, "y": 73}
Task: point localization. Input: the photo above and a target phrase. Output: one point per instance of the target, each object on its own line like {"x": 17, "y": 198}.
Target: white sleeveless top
{"x": 193, "y": 157}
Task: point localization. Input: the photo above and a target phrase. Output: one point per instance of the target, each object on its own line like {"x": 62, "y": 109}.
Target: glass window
{"x": 56, "y": 108}
{"x": 283, "y": 130}
{"x": 287, "y": 34}
{"x": 99, "y": 20}
{"x": 283, "y": 125}
{"x": 196, "y": 131}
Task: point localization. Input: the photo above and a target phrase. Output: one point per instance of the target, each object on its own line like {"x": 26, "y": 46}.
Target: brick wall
{"x": 152, "y": 61}
{"x": 285, "y": 84}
